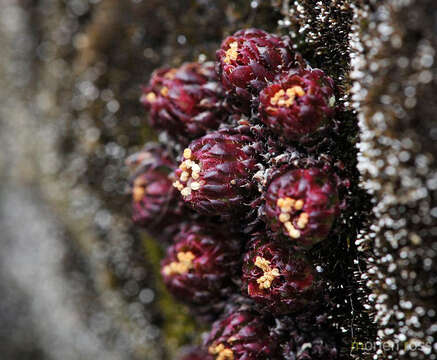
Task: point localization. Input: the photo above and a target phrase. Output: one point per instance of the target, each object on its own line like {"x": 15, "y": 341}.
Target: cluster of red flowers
{"x": 239, "y": 222}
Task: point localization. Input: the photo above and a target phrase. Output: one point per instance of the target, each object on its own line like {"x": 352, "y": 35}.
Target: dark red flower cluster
{"x": 277, "y": 277}
{"x": 250, "y": 59}
{"x": 240, "y": 221}
{"x": 185, "y": 102}
{"x": 155, "y": 202}
{"x": 215, "y": 175}
{"x": 241, "y": 335}
{"x": 302, "y": 205}
{"x": 201, "y": 264}
{"x": 298, "y": 103}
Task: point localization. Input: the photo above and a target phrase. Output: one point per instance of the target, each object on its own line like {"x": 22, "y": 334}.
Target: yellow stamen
{"x": 216, "y": 349}
{"x": 138, "y": 189}
{"x": 299, "y": 91}
{"x": 278, "y": 95}
{"x": 138, "y": 193}
{"x": 298, "y": 205}
{"x": 226, "y": 354}
{"x": 265, "y": 281}
{"x": 187, "y": 153}
{"x": 151, "y": 97}
{"x": 221, "y": 352}
{"x": 303, "y": 220}
{"x": 287, "y": 97}
{"x": 195, "y": 186}
{"x": 190, "y": 174}
{"x": 182, "y": 266}
{"x": 284, "y": 217}
{"x": 262, "y": 263}
{"x": 285, "y": 204}
{"x": 231, "y": 53}
{"x": 184, "y": 176}
{"x": 178, "y": 185}
{"x": 190, "y": 171}
{"x": 170, "y": 74}
{"x": 292, "y": 231}
{"x": 164, "y": 91}
{"x": 195, "y": 168}
{"x": 186, "y": 191}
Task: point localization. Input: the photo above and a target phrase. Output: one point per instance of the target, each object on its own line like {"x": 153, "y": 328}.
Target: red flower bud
{"x": 302, "y": 204}
{"x": 155, "y": 202}
{"x": 242, "y": 335}
{"x": 298, "y": 104}
{"x": 278, "y": 278}
{"x": 249, "y": 59}
{"x": 215, "y": 174}
{"x": 185, "y": 102}
{"x": 199, "y": 267}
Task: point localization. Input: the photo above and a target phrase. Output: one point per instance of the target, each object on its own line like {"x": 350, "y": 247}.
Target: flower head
{"x": 215, "y": 174}
{"x": 302, "y": 204}
{"x": 241, "y": 335}
{"x": 186, "y": 101}
{"x": 249, "y": 59}
{"x": 298, "y": 103}
{"x": 277, "y": 277}
{"x": 155, "y": 203}
{"x": 199, "y": 267}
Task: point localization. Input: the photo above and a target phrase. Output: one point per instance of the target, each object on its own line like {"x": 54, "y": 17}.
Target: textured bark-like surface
{"x": 322, "y": 33}
{"x": 396, "y": 87}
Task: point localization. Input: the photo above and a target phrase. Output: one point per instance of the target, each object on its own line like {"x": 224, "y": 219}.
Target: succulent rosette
{"x": 278, "y": 278}
{"x": 155, "y": 203}
{"x": 248, "y": 60}
{"x": 242, "y": 335}
{"x": 215, "y": 176}
{"x": 186, "y": 101}
{"x": 201, "y": 264}
{"x": 302, "y": 205}
{"x": 298, "y": 104}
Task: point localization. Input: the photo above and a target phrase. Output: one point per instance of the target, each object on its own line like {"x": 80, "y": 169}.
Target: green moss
{"x": 178, "y": 326}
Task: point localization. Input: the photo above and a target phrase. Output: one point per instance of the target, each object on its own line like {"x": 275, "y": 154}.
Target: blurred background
{"x": 76, "y": 281}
